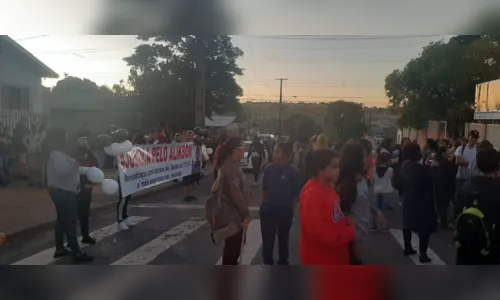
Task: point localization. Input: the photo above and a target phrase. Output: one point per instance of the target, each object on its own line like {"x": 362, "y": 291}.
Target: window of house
{"x": 15, "y": 97}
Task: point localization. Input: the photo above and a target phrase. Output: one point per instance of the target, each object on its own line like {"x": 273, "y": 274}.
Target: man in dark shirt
{"x": 281, "y": 187}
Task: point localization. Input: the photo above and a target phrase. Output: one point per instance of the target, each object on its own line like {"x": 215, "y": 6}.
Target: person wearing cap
{"x": 464, "y": 157}
{"x": 85, "y": 158}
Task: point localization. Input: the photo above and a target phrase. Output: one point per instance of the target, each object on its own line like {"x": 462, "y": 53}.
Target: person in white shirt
{"x": 465, "y": 157}
{"x": 383, "y": 183}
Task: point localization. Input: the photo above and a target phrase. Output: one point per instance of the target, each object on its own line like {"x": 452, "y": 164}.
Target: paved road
{"x": 171, "y": 232}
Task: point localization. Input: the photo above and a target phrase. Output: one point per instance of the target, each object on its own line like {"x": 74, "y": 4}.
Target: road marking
{"x": 398, "y": 235}
{"x": 252, "y": 245}
{"x": 181, "y": 206}
{"x": 46, "y": 257}
{"x": 151, "y": 250}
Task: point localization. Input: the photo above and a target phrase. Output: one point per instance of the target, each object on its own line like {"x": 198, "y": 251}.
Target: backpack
{"x": 471, "y": 231}
{"x": 216, "y": 208}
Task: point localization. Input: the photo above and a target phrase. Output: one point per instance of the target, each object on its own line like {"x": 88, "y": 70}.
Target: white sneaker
{"x": 128, "y": 222}
{"x": 122, "y": 226}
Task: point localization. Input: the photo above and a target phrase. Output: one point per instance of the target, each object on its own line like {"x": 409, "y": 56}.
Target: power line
{"x": 342, "y": 38}
{"x": 32, "y": 37}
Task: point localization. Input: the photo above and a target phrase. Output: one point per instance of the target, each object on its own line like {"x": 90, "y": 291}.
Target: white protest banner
{"x": 149, "y": 165}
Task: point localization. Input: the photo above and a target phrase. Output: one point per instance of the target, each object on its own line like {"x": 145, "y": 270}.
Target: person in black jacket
{"x": 444, "y": 183}
{"x": 257, "y": 153}
{"x": 419, "y": 210}
{"x": 86, "y": 158}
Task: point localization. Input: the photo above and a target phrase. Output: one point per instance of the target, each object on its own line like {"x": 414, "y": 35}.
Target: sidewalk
{"x": 27, "y": 208}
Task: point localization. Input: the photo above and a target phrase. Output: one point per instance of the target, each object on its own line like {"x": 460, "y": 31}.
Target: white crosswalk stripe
{"x": 398, "y": 235}
{"x": 150, "y": 243}
{"x": 252, "y": 244}
{"x": 46, "y": 257}
{"x": 162, "y": 243}
{"x": 180, "y": 206}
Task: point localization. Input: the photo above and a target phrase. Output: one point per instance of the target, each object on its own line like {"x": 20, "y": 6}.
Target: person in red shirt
{"x": 325, "y": 233}
{"x": 162, "y": 137}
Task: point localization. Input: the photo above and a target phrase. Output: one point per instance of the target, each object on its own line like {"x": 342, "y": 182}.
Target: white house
{"x": 21, "y": 76}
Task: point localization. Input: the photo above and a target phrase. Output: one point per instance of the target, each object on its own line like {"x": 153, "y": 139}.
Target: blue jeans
{"x": 66, "y": 204}
{"x": 380, "y": 202}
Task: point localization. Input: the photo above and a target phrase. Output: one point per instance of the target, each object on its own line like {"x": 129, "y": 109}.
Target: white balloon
{"x": 95, "y": 175}
{"x": 126, "y": 146}
{"x": 109, "y": 151}
{"x": 210, "y": 151}
{"x": 109, "y": 186}
{"x": 117, "y": 149}
{"x": 83, "y": 170}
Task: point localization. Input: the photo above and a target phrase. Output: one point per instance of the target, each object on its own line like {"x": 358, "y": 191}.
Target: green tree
{"x": 300, "y": 127}
{"x": 443, "y": 77}
{"x": 70, "y": 84}
{"x": 345, "y": 120}
{"x": 163, "y": 74}
{"x": 120, "y": 89}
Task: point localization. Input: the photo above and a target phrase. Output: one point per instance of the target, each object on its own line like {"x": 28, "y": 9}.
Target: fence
{"x": 10, "y": 118}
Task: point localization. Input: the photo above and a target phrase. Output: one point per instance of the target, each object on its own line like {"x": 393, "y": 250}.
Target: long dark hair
{"x": 56, "y": 139}
{"x": 383, "y": 162}
{"x": 386, "y": 144}
{"x": 317, "y": 160}
{"x": 351, "y": 168}
{"x": 227, "y": 149}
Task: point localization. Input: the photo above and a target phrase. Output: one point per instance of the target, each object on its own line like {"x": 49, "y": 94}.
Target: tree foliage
{"x": 442, "y": 79}
{"x": 163, "y": 74}
{"x": 300, "y": 127}
{"x": 71, "y": 84}
{"x": 345, "y": 120}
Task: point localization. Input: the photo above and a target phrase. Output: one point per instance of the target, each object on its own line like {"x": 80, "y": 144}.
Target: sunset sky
{"x": 318, "y": 68}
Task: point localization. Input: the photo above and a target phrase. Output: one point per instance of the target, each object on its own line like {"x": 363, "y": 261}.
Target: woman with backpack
{"x": 231, "y": 220}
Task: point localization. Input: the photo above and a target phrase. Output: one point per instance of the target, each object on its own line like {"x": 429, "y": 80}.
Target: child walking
{"x": 383, "y": 185}
{"x": 280, "y": 188}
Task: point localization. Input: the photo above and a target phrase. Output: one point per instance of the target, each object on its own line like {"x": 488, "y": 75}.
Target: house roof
{"x": 46, "y": 71}
{"x": 219, "y": 121}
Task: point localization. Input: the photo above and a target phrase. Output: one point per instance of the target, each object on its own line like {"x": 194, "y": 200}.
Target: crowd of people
{"x": 24, "y": 147}
{"x": 345, "y": 190}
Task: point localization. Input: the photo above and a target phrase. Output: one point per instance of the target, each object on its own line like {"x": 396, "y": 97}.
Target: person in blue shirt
{"x": 280, "y": 189}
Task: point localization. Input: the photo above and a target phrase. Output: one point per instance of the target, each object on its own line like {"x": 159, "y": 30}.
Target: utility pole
{"x": 199, "y": 89}
{"x": 280, "y": 104}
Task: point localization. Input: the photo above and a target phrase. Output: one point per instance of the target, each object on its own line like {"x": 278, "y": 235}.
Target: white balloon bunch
{"x": 114, "y": 145}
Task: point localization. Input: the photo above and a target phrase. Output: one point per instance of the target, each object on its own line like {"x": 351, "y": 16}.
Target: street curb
{"x": 23, "y": 233}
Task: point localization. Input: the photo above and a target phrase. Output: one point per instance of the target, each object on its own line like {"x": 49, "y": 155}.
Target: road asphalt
{"x": 169, "y": 231}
